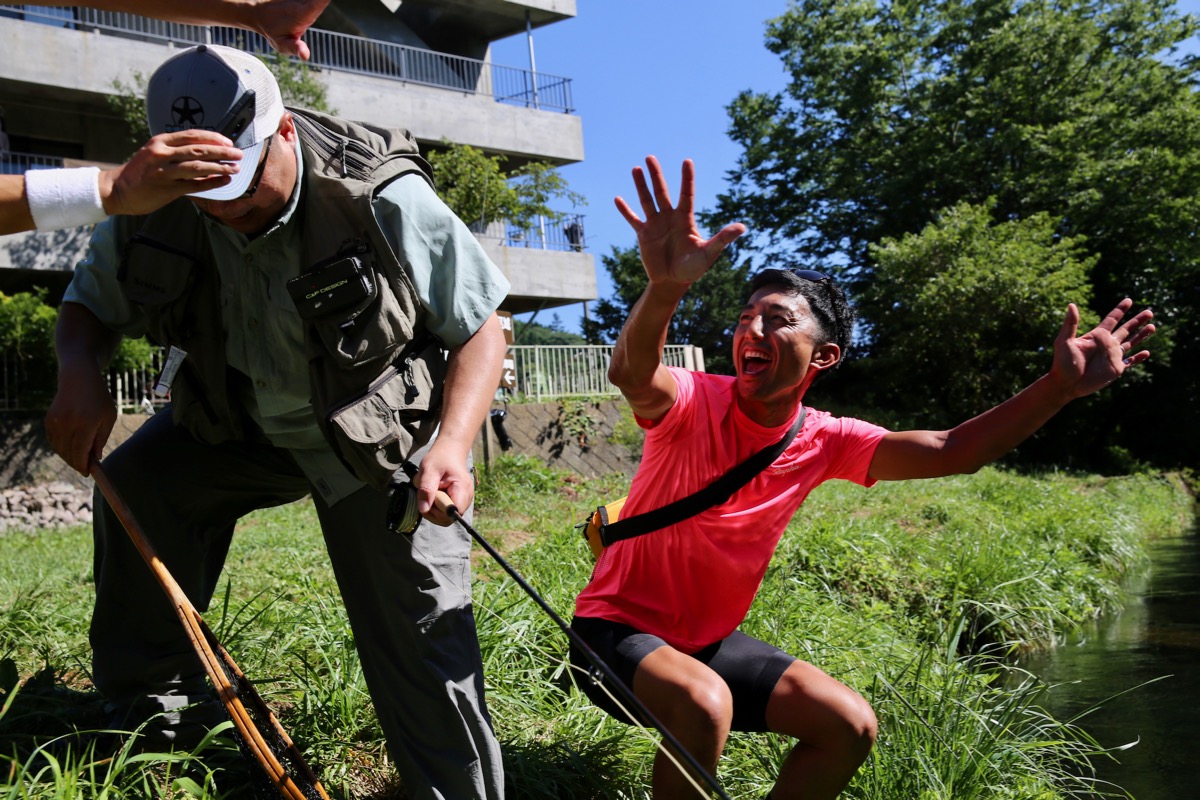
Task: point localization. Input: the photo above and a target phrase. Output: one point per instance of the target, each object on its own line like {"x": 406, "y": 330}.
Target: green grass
{"x": 914, "y": 594}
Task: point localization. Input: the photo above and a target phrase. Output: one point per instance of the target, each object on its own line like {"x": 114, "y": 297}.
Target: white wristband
{"x": 64, "y": 198}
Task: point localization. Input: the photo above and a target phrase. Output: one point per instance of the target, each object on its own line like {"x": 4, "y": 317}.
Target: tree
{"x": 898, "y": 111}
{"x": 27, "y": 325}
{"x": 480, "y": 191}
{"x": 535, "y": 333}
{"x": 931, "y": 288}
{"x": 703, "y": 318}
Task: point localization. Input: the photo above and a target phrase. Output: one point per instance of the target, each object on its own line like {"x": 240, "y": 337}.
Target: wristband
{"x": 64, "y": 198}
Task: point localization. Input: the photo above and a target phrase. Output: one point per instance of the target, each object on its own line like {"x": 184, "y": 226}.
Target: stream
{"x": 1156, "y": 638}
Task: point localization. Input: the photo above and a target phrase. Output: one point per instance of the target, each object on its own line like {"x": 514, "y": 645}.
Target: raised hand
{"x": 284, "y": 23}
{"x": 672, "y": 249}
{"x": 1088, "y": 363}
{"x": 167, "y": 167}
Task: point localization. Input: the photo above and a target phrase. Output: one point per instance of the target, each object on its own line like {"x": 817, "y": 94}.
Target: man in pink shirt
{"x": 663, "y": 609}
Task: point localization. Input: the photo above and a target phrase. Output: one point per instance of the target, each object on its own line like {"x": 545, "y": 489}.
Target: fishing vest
{"x": 375, "y": 373}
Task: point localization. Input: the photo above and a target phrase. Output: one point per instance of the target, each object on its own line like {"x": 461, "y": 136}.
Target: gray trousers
{"x": 413, "y": 625}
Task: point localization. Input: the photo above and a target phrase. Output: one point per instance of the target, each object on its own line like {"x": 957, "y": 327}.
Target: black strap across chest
{"x": 714, "y": 494}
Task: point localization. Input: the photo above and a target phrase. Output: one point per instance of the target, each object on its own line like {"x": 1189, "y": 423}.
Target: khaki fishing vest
{"x": 375, "y": 373}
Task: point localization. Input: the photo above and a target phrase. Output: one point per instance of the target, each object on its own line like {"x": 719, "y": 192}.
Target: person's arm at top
{"x": 472, "y": 375}
{"x": 167, "y": 167}
{"x": 675, "y": 256}
{"x": 1082, "y": 365}
{"x": 283, "y": 22}
{"x": 83, "y": 413}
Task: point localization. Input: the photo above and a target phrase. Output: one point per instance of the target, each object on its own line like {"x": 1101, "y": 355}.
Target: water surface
{"x": 1156, "y": 637}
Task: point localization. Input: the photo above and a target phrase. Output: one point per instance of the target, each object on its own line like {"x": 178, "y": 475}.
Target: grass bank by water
{"x": 911, "y": 593}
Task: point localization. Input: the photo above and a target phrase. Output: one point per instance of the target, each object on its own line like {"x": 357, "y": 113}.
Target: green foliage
{"x": 27, "y": 339}
{"x": 897, "y": 111}
{"x": 299, "y": 82}
{"x": 705, "y": 317}
{"x": 536, "y": 333}
{"x": 926, "y": 299}
{"x": 27, "y": 326}
{"x": 472, "y": 183}
{"x": 479, "y": 189}
{"x": 134, "y": 354}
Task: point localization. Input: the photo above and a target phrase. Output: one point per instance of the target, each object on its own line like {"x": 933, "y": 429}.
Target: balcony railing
{"x": 565, "y": 235}
{"x": 18, "y": 163}
{"x": 330, "y": 50}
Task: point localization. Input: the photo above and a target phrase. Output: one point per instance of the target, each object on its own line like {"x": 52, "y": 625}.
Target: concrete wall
{"x": 433, "y": 114}
{"x": 537, "y": 275}
{"x": 68, "y": 73}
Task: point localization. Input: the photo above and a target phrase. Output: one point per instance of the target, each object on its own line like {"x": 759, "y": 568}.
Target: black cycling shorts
{"x": 750, "y": 667}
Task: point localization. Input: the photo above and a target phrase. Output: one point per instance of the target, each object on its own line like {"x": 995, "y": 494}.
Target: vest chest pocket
{"x": 356, "y": 315}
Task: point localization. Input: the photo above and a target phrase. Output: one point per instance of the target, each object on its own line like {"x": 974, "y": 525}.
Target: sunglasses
{"x": 810, "y": 274}
{"x": 258, "y": 173}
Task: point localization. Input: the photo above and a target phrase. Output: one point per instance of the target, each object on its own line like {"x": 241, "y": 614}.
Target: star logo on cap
{"x": 187, "y": 111}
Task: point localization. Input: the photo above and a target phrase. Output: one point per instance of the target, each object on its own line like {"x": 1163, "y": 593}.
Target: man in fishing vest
{"x": 326, "y": 318}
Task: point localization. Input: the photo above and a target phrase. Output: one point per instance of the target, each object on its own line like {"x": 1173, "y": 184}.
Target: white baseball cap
{"x": 220, "y": 89}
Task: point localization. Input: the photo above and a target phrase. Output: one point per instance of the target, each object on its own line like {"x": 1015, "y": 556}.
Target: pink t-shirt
{"x": 691, "y": 584}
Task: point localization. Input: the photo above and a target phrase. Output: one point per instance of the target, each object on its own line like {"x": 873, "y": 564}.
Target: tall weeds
{"x": 913, "y": 594}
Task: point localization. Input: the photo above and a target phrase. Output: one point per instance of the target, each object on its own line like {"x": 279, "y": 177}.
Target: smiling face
{"x": 777, "y": 353}
{"x": 254, "y": 214}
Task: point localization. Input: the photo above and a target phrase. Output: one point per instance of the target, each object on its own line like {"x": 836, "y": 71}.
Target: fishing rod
{"x": 446, "y": 505}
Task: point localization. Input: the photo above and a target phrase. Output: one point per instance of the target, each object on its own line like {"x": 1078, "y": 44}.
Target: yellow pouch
{"x": 602, "y": 516}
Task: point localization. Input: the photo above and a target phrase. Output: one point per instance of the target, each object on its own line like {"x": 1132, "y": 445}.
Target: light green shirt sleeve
{"x": 456, "y": 282}
{"x": 94, "y": 283}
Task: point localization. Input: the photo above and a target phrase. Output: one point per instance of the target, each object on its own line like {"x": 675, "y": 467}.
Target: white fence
{"x": 541, "y": 372}
{"x": 546, "y": 371}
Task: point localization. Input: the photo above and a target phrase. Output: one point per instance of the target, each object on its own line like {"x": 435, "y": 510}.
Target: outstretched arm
{"x": 1082, "y": 365}
{"x": 167, "y": 167}
{"x": 675, "y": 256}
{"x": 283, "y": 22}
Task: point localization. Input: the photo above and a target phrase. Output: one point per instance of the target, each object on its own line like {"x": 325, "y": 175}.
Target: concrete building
{"x": 420, "y": 64}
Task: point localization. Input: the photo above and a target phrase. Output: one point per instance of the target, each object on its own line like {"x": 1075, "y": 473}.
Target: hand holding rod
{"x": 446, "y": 505}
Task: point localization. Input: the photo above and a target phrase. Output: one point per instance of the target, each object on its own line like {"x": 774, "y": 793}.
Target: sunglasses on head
{"x": 813, "y": 276}
{"x": 810, "y": 274}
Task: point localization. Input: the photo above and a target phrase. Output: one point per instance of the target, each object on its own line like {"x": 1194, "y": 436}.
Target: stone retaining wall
{"x": 37, "y": 489}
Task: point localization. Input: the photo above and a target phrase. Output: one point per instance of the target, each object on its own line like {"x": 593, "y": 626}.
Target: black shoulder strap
{"x": 715, "y": 493}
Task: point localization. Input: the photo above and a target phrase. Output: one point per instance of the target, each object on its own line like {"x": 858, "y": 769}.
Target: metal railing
{"x": 17, "y": 163}
{"x": 546, "y": 371}
{"x": 330, "y": 50}
{"x": 543, "y": 372}
{"x": 22, "y": 391}
{"x": 565, "y": 235}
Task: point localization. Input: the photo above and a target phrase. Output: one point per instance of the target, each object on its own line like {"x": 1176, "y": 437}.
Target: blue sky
{"x": 649, "y": 77}
{"x": 653, "y": 77}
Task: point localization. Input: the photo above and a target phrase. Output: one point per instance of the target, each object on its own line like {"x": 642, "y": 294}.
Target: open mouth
{"x": 754, "y": 361}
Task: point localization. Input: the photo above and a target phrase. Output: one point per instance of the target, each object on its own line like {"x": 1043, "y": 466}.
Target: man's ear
{"x": 287, "y": 127}
{"x": 826, "y": 356}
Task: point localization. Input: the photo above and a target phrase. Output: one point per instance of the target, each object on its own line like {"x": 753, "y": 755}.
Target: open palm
{"x": 672, "y": 249}
{"x": 1088, "y": 363}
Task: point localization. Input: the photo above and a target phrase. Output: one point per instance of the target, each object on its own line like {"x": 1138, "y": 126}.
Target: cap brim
{"x": 242, "y": 179}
